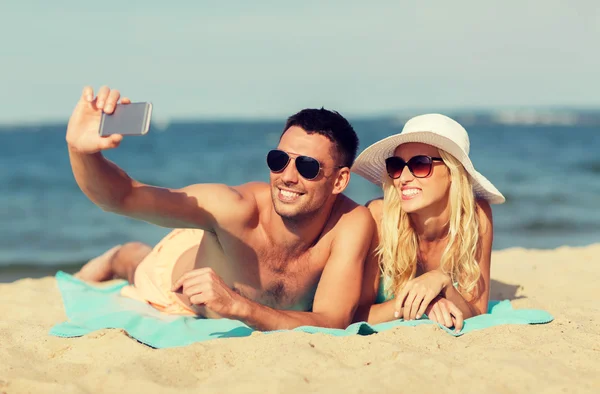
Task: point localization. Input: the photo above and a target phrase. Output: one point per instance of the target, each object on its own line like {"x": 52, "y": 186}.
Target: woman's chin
{"x": 410, "y": 206}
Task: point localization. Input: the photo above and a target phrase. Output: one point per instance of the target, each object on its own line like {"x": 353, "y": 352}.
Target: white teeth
{"x": 410, "y": 192}
{"x": 286, "y": 193}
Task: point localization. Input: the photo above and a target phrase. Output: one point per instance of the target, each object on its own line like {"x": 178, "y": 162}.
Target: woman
{"x": 433, "y": 248}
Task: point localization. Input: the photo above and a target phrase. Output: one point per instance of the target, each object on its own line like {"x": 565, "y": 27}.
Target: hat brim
{"x": 370, "y": 164}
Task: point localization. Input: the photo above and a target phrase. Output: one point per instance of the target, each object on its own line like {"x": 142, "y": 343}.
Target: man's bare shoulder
{"x": 257, "y": 195}
{"x": 352, "y": 214}
{"x": 227, "y": 195}
{"x": 230, "y": 205}
{"x": 352, "y": 232}
{"x": 252, "y": 190}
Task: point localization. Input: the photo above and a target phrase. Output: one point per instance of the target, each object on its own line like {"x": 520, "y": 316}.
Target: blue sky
{"x": 252, "y": 59}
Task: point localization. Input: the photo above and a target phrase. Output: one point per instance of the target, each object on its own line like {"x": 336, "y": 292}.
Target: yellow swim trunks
{"x": 154, "y": 275}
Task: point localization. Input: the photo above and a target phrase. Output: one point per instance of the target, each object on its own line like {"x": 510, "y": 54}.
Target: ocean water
{"x": 550, "y": 176}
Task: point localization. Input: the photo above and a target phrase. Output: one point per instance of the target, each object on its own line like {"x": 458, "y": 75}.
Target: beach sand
{"x": 562, "y": 356}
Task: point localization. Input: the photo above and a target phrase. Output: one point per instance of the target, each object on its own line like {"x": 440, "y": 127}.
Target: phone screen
{"x": 127, "y": 119}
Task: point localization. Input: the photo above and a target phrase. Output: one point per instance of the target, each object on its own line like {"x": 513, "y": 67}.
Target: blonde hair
{"x": 398, "y": 247}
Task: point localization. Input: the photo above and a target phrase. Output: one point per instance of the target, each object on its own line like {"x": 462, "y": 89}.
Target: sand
{"x": 562, "y": 356}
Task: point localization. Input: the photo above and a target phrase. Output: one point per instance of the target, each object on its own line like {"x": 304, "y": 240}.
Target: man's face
{"x": 295, "y": 197}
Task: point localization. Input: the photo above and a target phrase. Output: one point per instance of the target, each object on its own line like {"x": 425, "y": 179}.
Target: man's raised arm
{"x": 109, "y": 187}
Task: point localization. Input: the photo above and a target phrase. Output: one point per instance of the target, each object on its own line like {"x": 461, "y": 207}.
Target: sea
{"x": 548, "y": 172}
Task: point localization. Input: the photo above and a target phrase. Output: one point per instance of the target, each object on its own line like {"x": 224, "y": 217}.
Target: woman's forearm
{"x": 376, "y": 313}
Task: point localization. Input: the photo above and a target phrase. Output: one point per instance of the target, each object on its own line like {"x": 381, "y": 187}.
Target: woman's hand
{"x": 446, "y": 313}
{"x": 418, "y": 293}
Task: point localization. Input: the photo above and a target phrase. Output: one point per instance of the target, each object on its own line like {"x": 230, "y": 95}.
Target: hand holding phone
{"x": 127, "y": 119}
{"x": 92, "y": 127}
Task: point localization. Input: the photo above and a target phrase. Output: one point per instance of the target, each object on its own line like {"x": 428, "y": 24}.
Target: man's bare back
{"x": 276, "y": 255}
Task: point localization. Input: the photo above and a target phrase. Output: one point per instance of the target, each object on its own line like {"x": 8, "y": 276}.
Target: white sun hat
{"x": 431, "y": 129}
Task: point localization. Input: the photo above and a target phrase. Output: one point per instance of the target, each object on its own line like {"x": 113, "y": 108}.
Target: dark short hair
{"x": 331, "y": 125}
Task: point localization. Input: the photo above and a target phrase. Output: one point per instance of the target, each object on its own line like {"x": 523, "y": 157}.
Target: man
{"x": 275, "y": 256}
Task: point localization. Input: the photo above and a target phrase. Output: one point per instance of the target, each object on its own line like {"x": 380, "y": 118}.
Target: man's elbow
{"x": 327, "y": 320}
{"x": 111, "y": 207}
{"x": 362, "y": 313}
{"x": 121, "y": 203}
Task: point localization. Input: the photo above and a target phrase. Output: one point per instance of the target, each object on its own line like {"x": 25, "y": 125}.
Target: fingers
{"x": 398, "y": 306}
{"x": 434, "y": 314}
{"x": 192, "y": 291}
{"x": 111, "y": 101}
{"x": 411, "y": 303}
{"x": 410, "y": 298}
{"x": 398, "y": 311}
{"x": 458, "y": 317}
{"x": 111, "y": 141}
{"x": 414, "y": 306}
{"x": 183, "y": 278}
{"x": 87, "y": 94}
{"x": 446, "y": 318}
{"x": 102, "y": 97}
{"x": 199, "y": 299}
{"x": 426, "y": 301}
{"x": 191, "y": 278}
{"x": 107, "y": 99}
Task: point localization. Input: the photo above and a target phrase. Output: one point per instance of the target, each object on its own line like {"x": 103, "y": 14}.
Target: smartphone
{"x": 127, "y": 119}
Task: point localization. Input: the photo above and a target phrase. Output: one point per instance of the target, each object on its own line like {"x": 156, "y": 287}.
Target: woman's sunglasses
{"x": 420, "y": 166}
{"x": 307, "y": 167}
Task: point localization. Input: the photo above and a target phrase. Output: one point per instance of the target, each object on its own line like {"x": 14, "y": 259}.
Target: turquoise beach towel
{"x": 91, "y": 308}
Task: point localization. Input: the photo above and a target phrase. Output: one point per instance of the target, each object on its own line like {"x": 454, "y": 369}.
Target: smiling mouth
{"x": 408, "y": 194}
{"x": 288, "y": 196}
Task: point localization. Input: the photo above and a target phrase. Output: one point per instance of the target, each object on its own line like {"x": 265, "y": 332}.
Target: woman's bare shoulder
{"x": 484, "y": 214}
{"x": 376, "y": 208}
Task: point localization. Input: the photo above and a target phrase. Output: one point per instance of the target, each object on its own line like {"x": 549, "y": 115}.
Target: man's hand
{"x": 418, "y": 293}
{"x": 446, "y": 313}
{"x": 205, "y": 288}
{"x": 83, "y": 129}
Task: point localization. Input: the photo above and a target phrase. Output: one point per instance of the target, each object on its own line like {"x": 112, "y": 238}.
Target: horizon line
{"x": 385, "y": 114}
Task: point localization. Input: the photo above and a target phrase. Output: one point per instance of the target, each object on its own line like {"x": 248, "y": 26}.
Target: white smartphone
{"x": 127, "y": 119}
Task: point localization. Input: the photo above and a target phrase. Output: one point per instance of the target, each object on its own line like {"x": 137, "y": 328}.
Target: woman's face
{"x": 422, "y": 195}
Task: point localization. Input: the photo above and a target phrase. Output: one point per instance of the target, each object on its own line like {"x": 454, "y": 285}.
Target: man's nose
{"x": 290, "y": 172}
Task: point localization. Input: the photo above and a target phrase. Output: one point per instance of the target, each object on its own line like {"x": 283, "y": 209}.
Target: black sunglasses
{"x": 307, "y": 167}
{"x": 420, "y": 166}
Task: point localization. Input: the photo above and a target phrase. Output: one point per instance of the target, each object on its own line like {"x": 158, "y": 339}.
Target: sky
{"x": 268, "y": 59}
